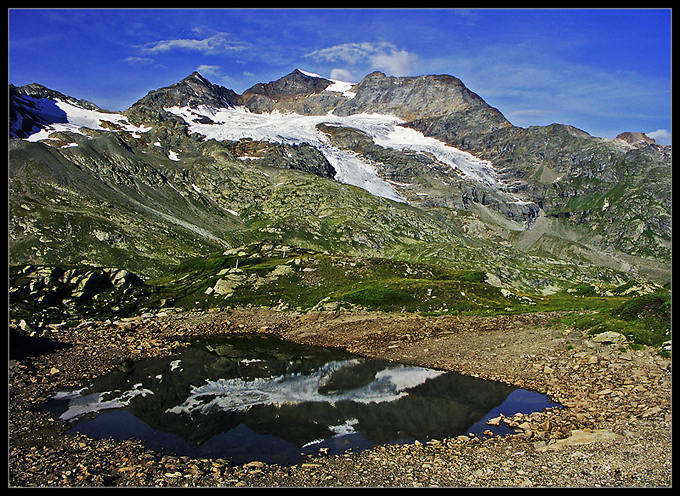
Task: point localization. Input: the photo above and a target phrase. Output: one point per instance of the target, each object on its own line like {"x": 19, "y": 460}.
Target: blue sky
{"x": 603, "y": 71}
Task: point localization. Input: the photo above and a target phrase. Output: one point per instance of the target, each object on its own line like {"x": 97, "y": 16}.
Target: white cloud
{"x": 401, "y": 63}
{"x": 342, "y": 75}
{"x": 383, "y": 55}
{"x": 209, "y": 70}
{"x": 215, "y": 44}
{"x": 352, "y": 53}
{"x": 661, "y": 136}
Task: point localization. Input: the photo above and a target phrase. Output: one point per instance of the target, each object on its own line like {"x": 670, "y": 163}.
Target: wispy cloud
{"x": 138, "y": 60}
{"x": 351, "y": 53}
{"x": 662, "y": 136}
{"x": 381, "y": 55}
{"x": 533, "y": 85}
{"x": 209, "y": 70}
{"x": 218, "y": 43}
{"x": 342, "y": 75}
{"x": 215, "y": 73}
{"x": 398, "y": 63}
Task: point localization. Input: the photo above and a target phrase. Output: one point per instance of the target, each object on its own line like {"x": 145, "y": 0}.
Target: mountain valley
{"x": 396, "y": 217}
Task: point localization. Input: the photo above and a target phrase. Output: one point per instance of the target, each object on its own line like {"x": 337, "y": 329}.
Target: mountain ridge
{"x": 156, "y": 157}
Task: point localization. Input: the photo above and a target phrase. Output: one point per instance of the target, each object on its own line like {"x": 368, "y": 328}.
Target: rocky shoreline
{"x": 614, "y": 432}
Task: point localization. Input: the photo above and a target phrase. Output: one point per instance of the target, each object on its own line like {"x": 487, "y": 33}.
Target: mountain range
{"x": 410, "y": 169}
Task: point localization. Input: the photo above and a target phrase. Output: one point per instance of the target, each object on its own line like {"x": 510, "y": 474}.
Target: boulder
{"x": 126, "y": 278}
{"x": 609, "y": 337}
{"x": 225, "y": 286}
{"x": 578, "y": 437}
{"x": 281, "y": 270}
{"x": 91, "y": 284}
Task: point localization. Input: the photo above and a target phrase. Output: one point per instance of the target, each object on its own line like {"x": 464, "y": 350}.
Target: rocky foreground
{"x": 614, "y": 432}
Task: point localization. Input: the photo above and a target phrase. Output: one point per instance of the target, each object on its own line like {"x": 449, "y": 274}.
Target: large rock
{"x": 126, "y": 278}
{"x": 225, "y": 286}
{"x": 609, "y": 337}
{"x": 579, "y": 437}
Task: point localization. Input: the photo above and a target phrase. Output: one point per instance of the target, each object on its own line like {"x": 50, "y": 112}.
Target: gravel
{"x": 615, "y": 429}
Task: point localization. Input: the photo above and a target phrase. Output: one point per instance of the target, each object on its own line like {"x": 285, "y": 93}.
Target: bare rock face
{"x": 636, "y": 139}
{"x": 295, "y": 83}
{"x": 296, "y": 92}
{"x": 411, "y": 97}
{"x": 301, "y": 157}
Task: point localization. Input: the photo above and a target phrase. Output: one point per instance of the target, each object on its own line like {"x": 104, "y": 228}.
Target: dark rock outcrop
{"x": 191, "y": 91}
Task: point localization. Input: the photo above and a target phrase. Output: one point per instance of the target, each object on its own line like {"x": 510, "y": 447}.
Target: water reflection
{"x": 249, "y": 398}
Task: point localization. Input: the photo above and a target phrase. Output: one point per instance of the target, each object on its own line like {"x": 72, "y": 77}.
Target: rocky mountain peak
{"x": 297, "y": 83}
{"x": 570, "y": 192}
{"x": 192, "y": 91}
{"x": 36, "y": 90}
{"x": 636, "y": 138}
{"x": 411, "y": 97}
{"x": 196, "y": 76}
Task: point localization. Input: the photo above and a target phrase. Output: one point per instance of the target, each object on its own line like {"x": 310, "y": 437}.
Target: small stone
{"x": 651, "y": 411}
{"x": 495, "y": 421}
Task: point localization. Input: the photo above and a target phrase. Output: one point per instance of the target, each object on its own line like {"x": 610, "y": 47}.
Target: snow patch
{"x": 344, "y": 429}
{"x": 80, "y": 405}
{"x": 343, "y": 87}
{"x": 311, "y": 74}
{"x": 76, "y": 117}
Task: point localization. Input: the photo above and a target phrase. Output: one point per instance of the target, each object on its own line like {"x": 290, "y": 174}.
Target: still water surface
{"x": 246, "y": 397}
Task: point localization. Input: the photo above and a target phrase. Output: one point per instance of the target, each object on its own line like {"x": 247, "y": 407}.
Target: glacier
{"x": 235, "y": 123}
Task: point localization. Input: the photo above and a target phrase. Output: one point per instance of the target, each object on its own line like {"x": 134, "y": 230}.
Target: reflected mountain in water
{"x": 252, "y": 397}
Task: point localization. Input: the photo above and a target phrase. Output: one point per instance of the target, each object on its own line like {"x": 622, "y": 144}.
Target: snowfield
{"x": 75, "y": 116}
{"x": 236, "y": 123}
